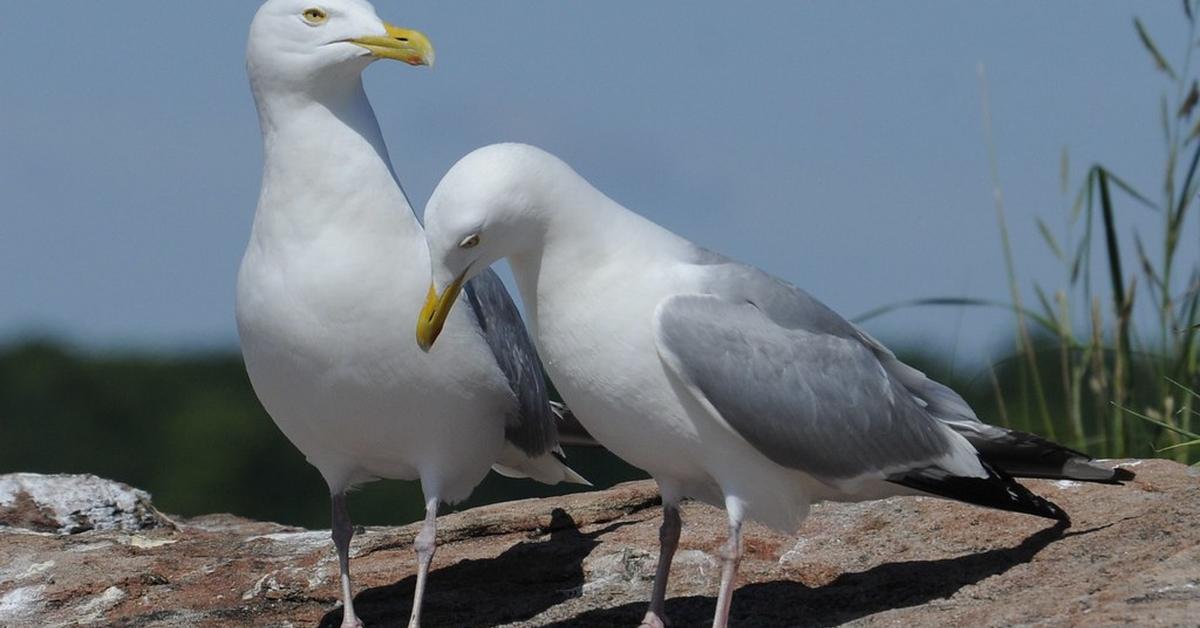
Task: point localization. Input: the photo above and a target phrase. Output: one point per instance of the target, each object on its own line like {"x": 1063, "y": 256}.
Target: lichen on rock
{"x": 71, "y": 504}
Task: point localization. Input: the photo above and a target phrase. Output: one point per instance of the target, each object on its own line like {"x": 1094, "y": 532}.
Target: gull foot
{"x": 652, "y": 620}
{"x": 352, "y": 622}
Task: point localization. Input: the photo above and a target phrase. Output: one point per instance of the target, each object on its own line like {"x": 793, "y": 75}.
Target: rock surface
{"x": 1132, "y": 557}
{"x": 70, "y": 504}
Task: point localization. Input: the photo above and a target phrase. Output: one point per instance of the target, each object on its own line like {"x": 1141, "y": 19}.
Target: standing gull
{"x": 724, "y": 383}
{"x": 337, "y": 263}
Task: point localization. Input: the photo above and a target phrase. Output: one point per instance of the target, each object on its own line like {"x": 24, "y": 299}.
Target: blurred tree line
{"x": 189, "y": 429}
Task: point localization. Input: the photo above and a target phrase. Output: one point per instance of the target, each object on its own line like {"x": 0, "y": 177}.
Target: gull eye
{"x": 469, "y": 242}
{"x": 315, "y": 16}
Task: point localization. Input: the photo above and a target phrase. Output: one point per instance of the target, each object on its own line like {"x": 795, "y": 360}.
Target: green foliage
{"x": 1110, "y": 368}
{"x": 189, "y": 431}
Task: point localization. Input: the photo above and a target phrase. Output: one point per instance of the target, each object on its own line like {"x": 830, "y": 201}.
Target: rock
{"x": 588, "y": 560}
{"x": 70, "y": 504}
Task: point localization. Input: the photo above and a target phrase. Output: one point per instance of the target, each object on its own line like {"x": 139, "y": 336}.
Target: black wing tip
{"x": 1096, "y": 474}
{"x": 1121, "y": 474}
{"x": 1057, "y": 514}
{"x": 570, "y": 430}
{"x": 1027, "y": 455}
{"x": 997, "y": 490}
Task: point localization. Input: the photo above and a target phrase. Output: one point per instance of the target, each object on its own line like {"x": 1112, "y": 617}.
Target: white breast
{"x": 327, "y": 336}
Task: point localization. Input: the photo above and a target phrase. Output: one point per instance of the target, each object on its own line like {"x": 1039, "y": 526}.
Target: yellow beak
{"x": 433, "y": 314}
{"x": 399, "y": 44}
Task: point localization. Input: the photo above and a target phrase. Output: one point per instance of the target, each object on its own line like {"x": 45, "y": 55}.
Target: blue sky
{"x": 837, "y": 145}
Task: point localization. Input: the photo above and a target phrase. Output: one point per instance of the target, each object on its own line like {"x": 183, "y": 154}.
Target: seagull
{"x": 724, "y": 383}
{"x": 335, "y": 267}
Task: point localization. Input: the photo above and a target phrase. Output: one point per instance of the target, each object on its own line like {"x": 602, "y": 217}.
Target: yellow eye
{"x": 470, "y": 241}
{"x": 315, "y": 16}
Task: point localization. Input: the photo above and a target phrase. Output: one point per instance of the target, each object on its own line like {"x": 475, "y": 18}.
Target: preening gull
{"x": 335, "y": 268}
{"x": 724, "y": 383}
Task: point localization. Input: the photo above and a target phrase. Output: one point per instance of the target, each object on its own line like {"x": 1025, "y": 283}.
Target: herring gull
{"x": 336, "y": 264}
{"x": 723, "y": 382}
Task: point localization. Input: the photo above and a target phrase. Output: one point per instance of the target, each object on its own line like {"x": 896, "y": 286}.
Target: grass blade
{"x": 1049, "y": 238}
{"x": 1110, "y": 241}
{"x": 1159, "y": 59}
{"x": 1064, "y": 170}
{"x": 1189, "y": 102}
{"x": 1178, "y": 446}
{"x": 1147, "y": 265}
{"x": 1162, "y": 424}
{"x": 1184, "y": 389}
{"x": 1041, "y": 295}
{"x": 1084, "y": 193}
{"x": 954, "y": 301}
{"x": 1185, "y": 196}
{"x": 1131, "y": 191}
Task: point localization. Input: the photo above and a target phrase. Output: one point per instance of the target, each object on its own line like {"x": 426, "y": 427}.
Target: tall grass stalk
{"x": 1105, "y": 389}
{"x": 1025, "y": 345}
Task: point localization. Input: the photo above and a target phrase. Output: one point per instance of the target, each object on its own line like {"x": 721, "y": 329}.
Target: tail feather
{"x": 570, "y": 430}
{"x": 1025, "y": 455}
{"x": 997, "y": 490}
{"x": 548, "y": 468}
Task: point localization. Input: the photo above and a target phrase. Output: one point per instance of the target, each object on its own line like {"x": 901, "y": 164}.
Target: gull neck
{"x": 325, "y": 162}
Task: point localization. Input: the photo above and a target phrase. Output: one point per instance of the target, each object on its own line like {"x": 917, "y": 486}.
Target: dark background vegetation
{"x": 189, "y": 429}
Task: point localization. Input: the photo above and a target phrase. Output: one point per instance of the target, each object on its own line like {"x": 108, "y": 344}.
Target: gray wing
{"x": 823, "y": 404}
{"x": 791, "y": 308}
{"x": 531, "y": 425}
{"x": 808, "y": 399}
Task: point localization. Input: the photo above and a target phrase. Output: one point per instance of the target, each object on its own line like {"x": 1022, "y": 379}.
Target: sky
{"x": 838, "y": 145}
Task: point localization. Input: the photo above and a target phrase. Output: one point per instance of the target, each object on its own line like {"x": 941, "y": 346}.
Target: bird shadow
{"x": 520, "y": 583}
{"x": 850, "y": 596}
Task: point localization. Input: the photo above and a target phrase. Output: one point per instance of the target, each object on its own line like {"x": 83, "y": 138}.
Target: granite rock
{"x": 587, "y": 560}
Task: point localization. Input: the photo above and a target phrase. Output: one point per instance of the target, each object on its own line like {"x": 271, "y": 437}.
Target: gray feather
{"x": 531, "y": 424}
{"x": 807, "y": 399}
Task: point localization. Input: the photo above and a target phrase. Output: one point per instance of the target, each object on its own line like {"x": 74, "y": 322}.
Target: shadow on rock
{"x": 850, "y": 596}
{"x": 525, "y": 580}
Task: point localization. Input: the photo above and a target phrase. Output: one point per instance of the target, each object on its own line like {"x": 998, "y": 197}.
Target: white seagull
{"x": 333, "y": 275}
{"x": 724, "y": 383}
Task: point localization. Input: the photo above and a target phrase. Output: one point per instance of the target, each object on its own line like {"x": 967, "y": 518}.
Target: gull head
{"x": 489, "y": 206}
{"x": 297, "y": 43}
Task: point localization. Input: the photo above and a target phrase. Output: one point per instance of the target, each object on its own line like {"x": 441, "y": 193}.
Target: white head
{"x": 299, "y": 45}
{"x": 494, "y": 203}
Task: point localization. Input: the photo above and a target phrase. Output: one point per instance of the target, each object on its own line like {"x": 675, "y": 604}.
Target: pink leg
{"x": 731, "y": 555}
{"x": 668, "y": 541}
{"x": 424, "y": 544}
{"x": 343, "y": 531}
